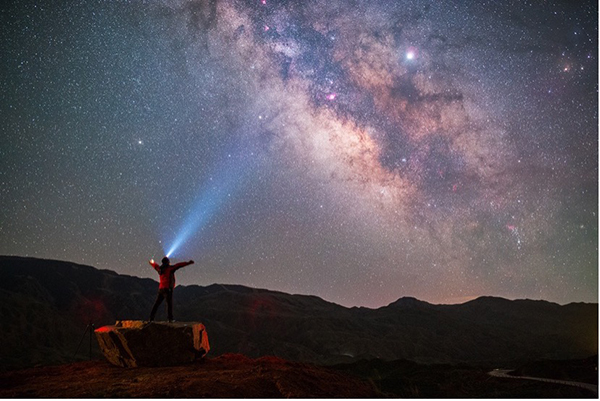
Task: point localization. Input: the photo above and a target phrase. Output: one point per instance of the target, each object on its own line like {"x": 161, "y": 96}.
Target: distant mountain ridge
{"x": 45, "y": 306}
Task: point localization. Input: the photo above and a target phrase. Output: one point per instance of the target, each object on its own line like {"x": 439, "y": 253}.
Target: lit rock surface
{"x": 132, "y": 343}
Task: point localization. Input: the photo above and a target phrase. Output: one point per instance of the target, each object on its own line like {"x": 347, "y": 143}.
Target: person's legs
{"x": 159, "y": 299}
{"x": 169, "y": 295}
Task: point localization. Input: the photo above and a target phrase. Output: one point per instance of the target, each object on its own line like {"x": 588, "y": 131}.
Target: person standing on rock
{"x": 166, "y": 285}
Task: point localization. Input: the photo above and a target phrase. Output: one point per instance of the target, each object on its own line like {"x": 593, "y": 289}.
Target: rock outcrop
{"x": 132, "y": 343}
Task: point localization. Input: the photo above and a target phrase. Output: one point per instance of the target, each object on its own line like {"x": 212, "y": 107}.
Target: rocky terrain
{"x": 227, "y": 376}
{"x": 237, "y": 376}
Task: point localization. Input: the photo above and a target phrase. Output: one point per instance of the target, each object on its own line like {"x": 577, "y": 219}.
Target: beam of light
{"x": 218, "y": 189}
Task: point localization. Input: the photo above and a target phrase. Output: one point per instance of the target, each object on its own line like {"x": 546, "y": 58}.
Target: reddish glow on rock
{"x": 266, "y": 28}
{"x": 262, "y": 310}
{"x": 103, "y": 329}
{"x": 90, "y": 310}
{"x": 331, "y": 96}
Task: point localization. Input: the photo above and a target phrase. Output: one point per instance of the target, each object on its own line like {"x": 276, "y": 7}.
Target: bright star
{"x": 411, "y": 53}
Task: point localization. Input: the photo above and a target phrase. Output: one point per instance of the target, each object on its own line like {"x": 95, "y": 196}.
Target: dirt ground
{"x": 227, "y": 376}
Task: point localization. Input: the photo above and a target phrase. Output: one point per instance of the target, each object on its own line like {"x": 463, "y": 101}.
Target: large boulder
{"x": 132, "y": 343}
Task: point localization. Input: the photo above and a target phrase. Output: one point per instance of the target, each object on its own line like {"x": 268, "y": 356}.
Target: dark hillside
{"x": 407, "y": 379}
{"x": 46, "y": 306}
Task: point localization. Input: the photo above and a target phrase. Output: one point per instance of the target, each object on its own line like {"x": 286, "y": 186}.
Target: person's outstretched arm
{"x": 154, "y": 264}
{"x": 183, "y": 264}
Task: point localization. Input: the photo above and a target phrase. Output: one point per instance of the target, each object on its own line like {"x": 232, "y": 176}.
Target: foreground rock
{"x": 133, "y": 343}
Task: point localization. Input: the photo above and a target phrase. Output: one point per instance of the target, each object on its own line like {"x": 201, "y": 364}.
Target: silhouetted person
{"x": 167, "y": 284}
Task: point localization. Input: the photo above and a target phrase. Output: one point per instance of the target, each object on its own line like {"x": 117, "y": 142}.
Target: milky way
{"x": 441, "y": 150}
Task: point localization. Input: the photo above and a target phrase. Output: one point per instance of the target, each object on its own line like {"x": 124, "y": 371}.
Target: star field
{"x": 357, "y": 151}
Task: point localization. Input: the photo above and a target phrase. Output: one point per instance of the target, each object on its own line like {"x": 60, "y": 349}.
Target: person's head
{"x": 165, "y": 261}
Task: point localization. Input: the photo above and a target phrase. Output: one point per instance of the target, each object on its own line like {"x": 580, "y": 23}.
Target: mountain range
{"x": 46, "y": 306}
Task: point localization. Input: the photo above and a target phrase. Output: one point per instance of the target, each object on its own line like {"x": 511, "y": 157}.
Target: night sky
{"x": 359, "y": 151}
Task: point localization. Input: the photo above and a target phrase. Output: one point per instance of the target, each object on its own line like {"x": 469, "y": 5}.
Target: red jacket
{"x": 167, "y": 274}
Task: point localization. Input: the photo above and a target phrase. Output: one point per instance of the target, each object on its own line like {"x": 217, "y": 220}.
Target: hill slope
{"x": 46, "y": 306}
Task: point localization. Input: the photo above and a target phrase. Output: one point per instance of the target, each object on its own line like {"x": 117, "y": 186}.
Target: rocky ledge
{"x": 133, "y": 343}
